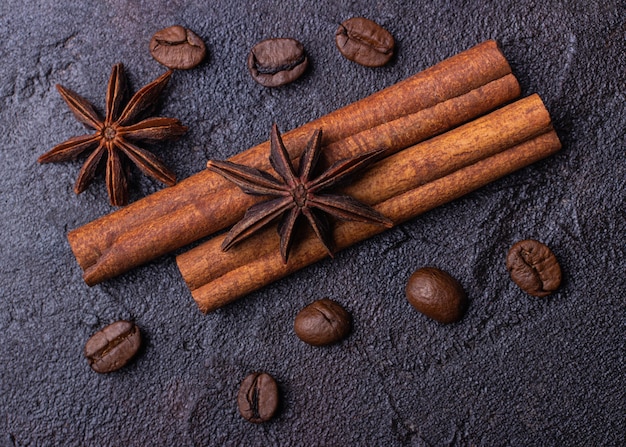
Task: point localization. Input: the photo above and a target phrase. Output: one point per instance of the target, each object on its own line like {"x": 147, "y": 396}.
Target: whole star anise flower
{"x": 115, "y": 135}
{"x": 296, "y": 195}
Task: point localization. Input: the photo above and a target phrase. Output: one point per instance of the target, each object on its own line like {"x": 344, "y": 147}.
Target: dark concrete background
{"x": 515, "y": 371}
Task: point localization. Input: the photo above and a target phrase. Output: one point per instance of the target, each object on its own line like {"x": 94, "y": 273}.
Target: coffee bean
{"x": 364, "y": 42}
{"x": 177, "y": 47}
{"x": 112, "y": 347}
{"x": 534, "y": 268}
{"x": 322, "y": 322}
{"x": 436, "y": 294}
{"x": 258, "y": 397}
{"x": 276, "y": 62}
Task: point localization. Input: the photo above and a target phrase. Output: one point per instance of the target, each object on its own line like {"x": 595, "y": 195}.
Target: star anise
{"x": 115, "y": 135}
{"x": 296, "y": 195}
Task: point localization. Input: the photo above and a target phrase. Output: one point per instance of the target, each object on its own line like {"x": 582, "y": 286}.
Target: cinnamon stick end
{"x": 86, "y": 254}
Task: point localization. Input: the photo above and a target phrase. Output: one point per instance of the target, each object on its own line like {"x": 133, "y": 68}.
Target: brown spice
{"x": 177, "y": 48}
{"x": 113, "y": 346}
{"x": 115, "y": 134}
{"x": 322, "y": 322}
{"x": 534, "y": 268}
{"x": 365, "y": 42}
{"x": 258, "y": 397}
{"x": 297, "y": 194}
{"x": 436, "y": 294}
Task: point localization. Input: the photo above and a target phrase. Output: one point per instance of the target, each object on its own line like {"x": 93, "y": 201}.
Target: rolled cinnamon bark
{"x": 401, "y": 187}
{"x": 448, "y": 94}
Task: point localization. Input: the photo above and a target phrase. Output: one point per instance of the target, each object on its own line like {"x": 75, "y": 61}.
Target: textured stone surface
{"x": 514, "y": 371}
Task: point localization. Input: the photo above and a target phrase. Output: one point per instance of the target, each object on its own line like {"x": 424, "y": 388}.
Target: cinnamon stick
{"x": 401, "y": 187}
{"x": 448, "y": 94}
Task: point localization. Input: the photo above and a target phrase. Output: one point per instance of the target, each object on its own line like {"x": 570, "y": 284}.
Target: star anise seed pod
{"x": 115, "y": 135}
{"x": 296, "y": 195}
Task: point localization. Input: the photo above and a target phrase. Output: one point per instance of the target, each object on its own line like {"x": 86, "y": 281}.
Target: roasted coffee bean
{"x": 276, "y": 62}
{"x": 177, "y": 47}
{"x": 322, "y": 322}
{"x": 258, "y": 397}
{"x": 112, "y": 347}
{"x": 534, "y": 268}
{"x": 436, "y": 294}
{"x": 364, "y": 42}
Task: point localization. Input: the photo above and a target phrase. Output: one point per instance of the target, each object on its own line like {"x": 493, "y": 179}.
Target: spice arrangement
{"x": 441, "y": 98}
{"x": 418, "y": 144}
{"x": 399, "y": 187}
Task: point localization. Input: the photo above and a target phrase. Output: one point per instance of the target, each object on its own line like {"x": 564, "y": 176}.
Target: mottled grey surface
{"x": 515, "y": 371}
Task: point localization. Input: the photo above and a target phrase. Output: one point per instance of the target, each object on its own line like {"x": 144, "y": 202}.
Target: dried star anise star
{"x": 297, "y": 194}
{"x": 115, "y": 133}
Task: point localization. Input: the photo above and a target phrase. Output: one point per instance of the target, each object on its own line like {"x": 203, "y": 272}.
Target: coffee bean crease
{"x": 268, "y": 69}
